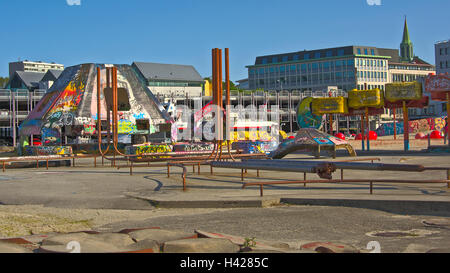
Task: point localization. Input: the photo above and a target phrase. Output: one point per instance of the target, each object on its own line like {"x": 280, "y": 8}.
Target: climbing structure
{"x": 67, "y": 114}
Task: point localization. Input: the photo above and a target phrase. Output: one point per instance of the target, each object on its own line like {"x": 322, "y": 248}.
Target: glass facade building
{"x": 345, "y": 67}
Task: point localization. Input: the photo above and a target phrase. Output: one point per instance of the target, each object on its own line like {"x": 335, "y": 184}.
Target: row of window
{"x": 371, "y": 63}
{"x": 306, "y": 79}
{"x": 372, "y": 75}
{"x": 370, "y": 86}
{"x": 443, "y": 50}
{"x": 366, "y": 51}
{"x": 304, "y": 68}
{"x": 306, "y": 56}
{"x": 410, "y": 67}
{"x": 442, "y": 65}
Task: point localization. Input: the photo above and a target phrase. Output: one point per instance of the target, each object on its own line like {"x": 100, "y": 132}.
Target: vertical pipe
{"x": 227, "y": 86}
{"x": 362, "y": 132}
{"x": 99, "y": 119}
{"x": 448, "y": 115}
{"x": 368, "y": 129}
{"x": 405, "y": 127}
{"x": 331, "y": 124}
{"x": 13, "y": 96}
{"x": 220, "y": 100}
{"x": 108, "y": 109}
{"x": 395, "y": 125}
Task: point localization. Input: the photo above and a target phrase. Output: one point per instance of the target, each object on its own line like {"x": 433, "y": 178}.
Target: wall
{"x": 414, "y": 127}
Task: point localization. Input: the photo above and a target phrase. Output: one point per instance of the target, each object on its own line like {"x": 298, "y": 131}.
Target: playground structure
{"x": 92, "y": 98}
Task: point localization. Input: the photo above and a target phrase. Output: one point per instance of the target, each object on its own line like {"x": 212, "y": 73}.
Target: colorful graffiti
{"x": 193, "y": 147}
{"x": 47, "y": 150}
{"x": 148, "y": 149}
{"x": 414, "y": 126}
{"x": 305, "y": 118}
{"x": 253, "y": 147}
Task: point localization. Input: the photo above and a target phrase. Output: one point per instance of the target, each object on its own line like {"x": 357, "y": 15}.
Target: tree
{"x": 3, "y": 82}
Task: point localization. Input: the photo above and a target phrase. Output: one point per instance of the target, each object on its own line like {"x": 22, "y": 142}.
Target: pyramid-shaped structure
{"x": 72, "y": 103}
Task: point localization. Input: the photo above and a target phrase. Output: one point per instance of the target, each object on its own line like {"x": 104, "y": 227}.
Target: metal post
{"x": 405, "y": 127}
{"x": 368, "y": 129}
{"x": 448, "y": 115}
{"x": 14, "y": 117}
{"x": 395, "y": 125}
{"x": 362, "y": 132}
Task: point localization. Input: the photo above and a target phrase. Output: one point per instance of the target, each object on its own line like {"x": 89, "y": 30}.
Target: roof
{"x": 29, "y": 79}
{"x": 52, "y": 75}
{"x": 168, "y": 72}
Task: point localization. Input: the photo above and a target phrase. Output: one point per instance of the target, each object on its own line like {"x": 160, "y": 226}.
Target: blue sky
{"x": 185, "y": 31}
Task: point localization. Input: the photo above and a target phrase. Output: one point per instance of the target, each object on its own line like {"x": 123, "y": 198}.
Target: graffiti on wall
{"x": 148, "y": 149}
{"x": 47, "y": 150}
{"x": 414, "y": 126}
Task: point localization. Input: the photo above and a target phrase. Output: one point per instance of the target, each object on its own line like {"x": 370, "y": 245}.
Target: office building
{"x": 29, "y": 66}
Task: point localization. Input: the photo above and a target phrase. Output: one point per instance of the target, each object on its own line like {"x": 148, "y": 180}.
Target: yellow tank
{"x": 365, "y": 98}
{"x": 403, "y": 91}
{"x": 335, "y": 105}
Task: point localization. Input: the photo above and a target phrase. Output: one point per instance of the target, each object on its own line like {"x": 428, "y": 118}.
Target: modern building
{"x": 349, "y": 67}
{"x": 25, "y": 80}
{"x": 49, "y": 78}
{"x": 29, "y": 66}
{"x": 442, "y": 56}
{"x": 243, "y": 84}
{"x": 171, "y": 80}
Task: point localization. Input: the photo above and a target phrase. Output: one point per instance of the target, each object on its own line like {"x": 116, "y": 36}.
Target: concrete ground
{"x": 77, "y": 198}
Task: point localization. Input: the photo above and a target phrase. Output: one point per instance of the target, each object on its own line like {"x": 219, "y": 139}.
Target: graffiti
{"x": 323, "y": 141}
{"x": 414, "y": 126}
{"x": 89, "y": 129}
{"x": 50, "y": 135}
{"x": 59, "y": 119}
{"x": 47, "y": 150}
{"x": 82, "y": 120}
{"x": 252, "y": 147}
{"x": 148, "y": 149}
{"x": 139, "y": 116}
{"x": 193, "y": 147}
{"x": 126, "y": 127}
{"x": 305, "y": 118}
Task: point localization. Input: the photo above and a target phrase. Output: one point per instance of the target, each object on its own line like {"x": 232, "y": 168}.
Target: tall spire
{"x": 406, "y": 47}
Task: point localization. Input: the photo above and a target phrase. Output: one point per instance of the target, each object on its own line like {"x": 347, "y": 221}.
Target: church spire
{"x": 406, "y": 47}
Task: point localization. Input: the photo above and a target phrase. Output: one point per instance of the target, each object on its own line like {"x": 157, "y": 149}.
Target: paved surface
{"x": 341, "y": 213}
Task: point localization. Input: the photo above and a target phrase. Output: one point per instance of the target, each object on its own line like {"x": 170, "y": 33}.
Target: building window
{"x": 365, "y": 51}
{"x": 306, "y": 56}
{"x": 274, "y": 60}
{"x": 329, "y": 53}
{"x": 359, "y": 51}
{"x": 264, "y": 61}
{"x": 282, "y": 69}
{"x": 293, "y": 68}
{"x": 285, "y": 58}
{"x": 341, "y": 52}
{"x": 304, "y": 68}
{"x": 373, "y": 52}
{"x": 296, "y": 57}
{"x": 317, "y": 55}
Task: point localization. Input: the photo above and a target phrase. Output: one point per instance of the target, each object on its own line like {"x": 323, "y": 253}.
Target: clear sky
{"x": 185, "y": 31}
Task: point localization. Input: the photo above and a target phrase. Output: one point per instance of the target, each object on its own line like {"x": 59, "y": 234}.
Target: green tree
{"x": 3, "y": 82}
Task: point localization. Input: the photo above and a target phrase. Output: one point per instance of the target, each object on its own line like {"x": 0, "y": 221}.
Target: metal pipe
{"x": 405, "y": 127}
{"x": 323, "y": 170}
{"x": 349, "y": 165}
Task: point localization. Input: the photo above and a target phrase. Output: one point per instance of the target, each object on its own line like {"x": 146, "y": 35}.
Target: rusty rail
{"x": 336, "y": 181}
